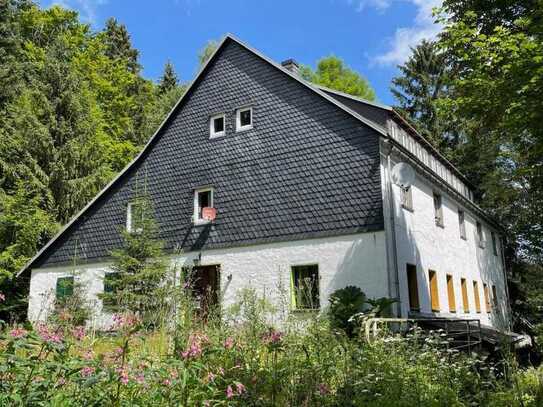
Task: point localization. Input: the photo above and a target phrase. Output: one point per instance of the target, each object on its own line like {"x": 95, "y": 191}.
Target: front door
{"x": 206, "y": 286}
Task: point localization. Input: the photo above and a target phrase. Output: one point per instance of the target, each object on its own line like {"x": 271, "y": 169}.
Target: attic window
{"x": 134, "y": 217}
{"x": 216, "y": 126}
{"x": 203, "y": 198}
{"x": 244, "y": 119}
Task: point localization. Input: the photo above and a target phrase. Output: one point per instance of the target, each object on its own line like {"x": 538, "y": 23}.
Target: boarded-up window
{"x": 434, "y": 294}
{"x": 476, "y": 296}
{"x": 487, "y": 298}
{"x": 495, "y": 295}
{"x": 65, "y": 287}
{"x": 465, "y": 300}
{"x": 305, "y": 287}
{"x": 438, "y": 210}
{"x": 462, "y": 223}
{"x": 480, "y": 236}
{"x": 413, "y": 287}
{"x": 450, "y": 293}
{"x": 406, "y": 198}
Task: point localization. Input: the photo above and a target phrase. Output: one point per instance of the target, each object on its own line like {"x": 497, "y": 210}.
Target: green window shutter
{"x": 65, "y": 287}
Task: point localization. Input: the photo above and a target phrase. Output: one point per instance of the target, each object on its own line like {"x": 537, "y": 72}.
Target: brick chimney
{"x": 292, "y": 66}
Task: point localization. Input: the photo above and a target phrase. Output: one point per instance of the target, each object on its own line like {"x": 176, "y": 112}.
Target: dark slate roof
{"x": 308, "y": 168}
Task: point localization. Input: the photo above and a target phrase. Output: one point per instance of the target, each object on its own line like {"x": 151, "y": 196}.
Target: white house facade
{"x": 298, "y": 181}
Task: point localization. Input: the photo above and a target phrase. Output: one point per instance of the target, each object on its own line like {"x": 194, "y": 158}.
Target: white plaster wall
{"x": 345, "y": 260}
{"x": 430, "y": 247}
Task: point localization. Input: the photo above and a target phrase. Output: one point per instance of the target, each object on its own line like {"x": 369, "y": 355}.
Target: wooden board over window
{"x": 494, "y": 295}
{"x": 413, "y": 287}
{"x": 477, "y": 298}
{"x": 434, "y": 294}
{"x": 465, "y": 300}
{"x": 450, "y": 293}
{"x": 487, "y": 298}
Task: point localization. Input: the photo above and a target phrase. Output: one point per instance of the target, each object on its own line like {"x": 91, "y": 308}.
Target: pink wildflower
{"x": 210, "y": 377}
{"x": 240, "y": 388}
{"x": 78, "y": 332}
{"x": 87, "y": 371}
{"x": 273, "y": 338}
{"x": 323, "y": 389}
{"x": 2, "y": 297}
{"x": 125, "y": 321}
{"x": 229, "y": 392}
{"x": 123, "y": 375}
{"x": 18, "y": 333}
{"x": 194, "y": 349}
{"x": 140, "y": 378}
{"x": 229, "y": 343}
{"x": 48, "y": 335}
{"x": 221, "y": 371}
{"x": 167, "y": 382}
{"x": 61, "y": 381}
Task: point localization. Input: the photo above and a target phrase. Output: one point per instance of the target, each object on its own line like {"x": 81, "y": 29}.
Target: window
{"x": 480, "y": 236}
{"x": 450, "y": 293}
{"x": 305, "y": 287}
{"x": 65, "y": 287}
{"x": 494, "y": 295}
{"x": 244, "y": 119}
{"x": 487, "y": 298}
{"x": 216, "y": 126}
{"x": 203, "y": 198}
{"x": 476, "y": 296}
{"x": 110, "y": 287}
{"x": 465, "y": 301}
{"x": 406, "y": 198}
{"x": 434, "y": 294}
{"x": 413, "y": 287}
{"x": 462, "y": 223}
{"x": 494, "y": 244}
{"x": 438, "y": 210}
{"x": 134, "y": 217}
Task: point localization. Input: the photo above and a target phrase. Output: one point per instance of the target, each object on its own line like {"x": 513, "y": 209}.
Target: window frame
{"x": 479, "y": 231}
{"x": 412, "y": 287}
{"x": 438, "y": 209}
{"x": 494, "y": 296}
{"x": 294, "y": 295}
{"x": 212, "y": 132}
{"x": 462, "y": 224}
{"x": 486, "y": 294}
{"x": 62, "y": 295}
{"x": 239, "y": 127}
{"x": 196, "y": 219}
{"x": 434, "y": 291}
{"x": 406, "y": 198}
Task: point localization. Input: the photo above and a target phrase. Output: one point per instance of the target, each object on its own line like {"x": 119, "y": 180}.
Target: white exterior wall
{"x": 422, "y": 243}
{"x": 345, "y": 260}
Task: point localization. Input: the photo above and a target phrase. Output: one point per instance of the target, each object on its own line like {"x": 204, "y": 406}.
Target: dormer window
{"x": 216, "y": 126}
{"x": 203, "y": 201}
{"x": 244, "y": 119}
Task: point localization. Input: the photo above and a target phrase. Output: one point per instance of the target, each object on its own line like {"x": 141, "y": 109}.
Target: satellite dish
{"x": 403, "y": 175}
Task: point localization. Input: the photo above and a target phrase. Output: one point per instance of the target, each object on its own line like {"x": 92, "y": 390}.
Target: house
{"x": 301, "y": 179}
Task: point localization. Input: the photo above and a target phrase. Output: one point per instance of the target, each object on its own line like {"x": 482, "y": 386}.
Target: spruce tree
{"x": 169, "y": 80}
{"x": 119, "y": 46}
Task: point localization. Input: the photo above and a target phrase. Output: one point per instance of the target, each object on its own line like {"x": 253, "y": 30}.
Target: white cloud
{"x": 422, "y": 27}
{"x": 85, "y": 8}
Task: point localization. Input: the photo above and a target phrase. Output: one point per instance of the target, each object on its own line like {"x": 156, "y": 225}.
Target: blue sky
{"x": 371, "y": 36}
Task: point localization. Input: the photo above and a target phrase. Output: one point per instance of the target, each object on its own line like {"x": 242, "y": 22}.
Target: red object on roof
{"x": 209, "y": 213}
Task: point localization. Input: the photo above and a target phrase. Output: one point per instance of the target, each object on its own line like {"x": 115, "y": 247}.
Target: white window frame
{"x": 239, "y": 127}
{"x": 129, "y": 208}
{"x": 195, "y": 217}
{"x": 212, "y": 132}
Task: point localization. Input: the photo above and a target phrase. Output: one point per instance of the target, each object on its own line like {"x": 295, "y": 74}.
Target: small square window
{"x": 216, "y": 125}
{"x": 305, "y": 287}
{"x": 406, "y": 198}
{"x": 65, "y": 287}
{"x": 203, "y": 198}
{"x": 244, "y": 119}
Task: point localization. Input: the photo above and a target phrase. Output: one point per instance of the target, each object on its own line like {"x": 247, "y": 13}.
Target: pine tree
{"x": 137, "y": 282}
{"x": 169, "y": 80}
{"x": 119, "y": 46}
{"x": 423, "y": 80}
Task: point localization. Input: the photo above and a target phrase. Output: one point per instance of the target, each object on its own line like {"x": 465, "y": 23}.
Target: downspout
{"x": 394, "y": 282}
{"x": 506, "y": 286}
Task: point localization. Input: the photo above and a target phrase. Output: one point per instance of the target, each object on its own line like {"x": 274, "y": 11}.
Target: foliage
{"x": 344, "y": 304}
{"x": 206, "y": 52}
{"x": 169, "y": 80}
{"x": 245, "y": 364}
{"x": 334, "y": 74}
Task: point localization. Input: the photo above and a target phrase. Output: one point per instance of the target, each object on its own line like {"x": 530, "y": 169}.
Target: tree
{"x": 332, "y": 73}
{"x": 119, "y": 46}
{"x": 423, "y": 81}
{"x": 138, "y": 281}
{"x": 206, "y": 52}
{"x": 169, "y": 80}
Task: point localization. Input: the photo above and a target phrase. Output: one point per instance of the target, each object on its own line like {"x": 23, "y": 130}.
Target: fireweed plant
{"x": 244, "y": 362}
